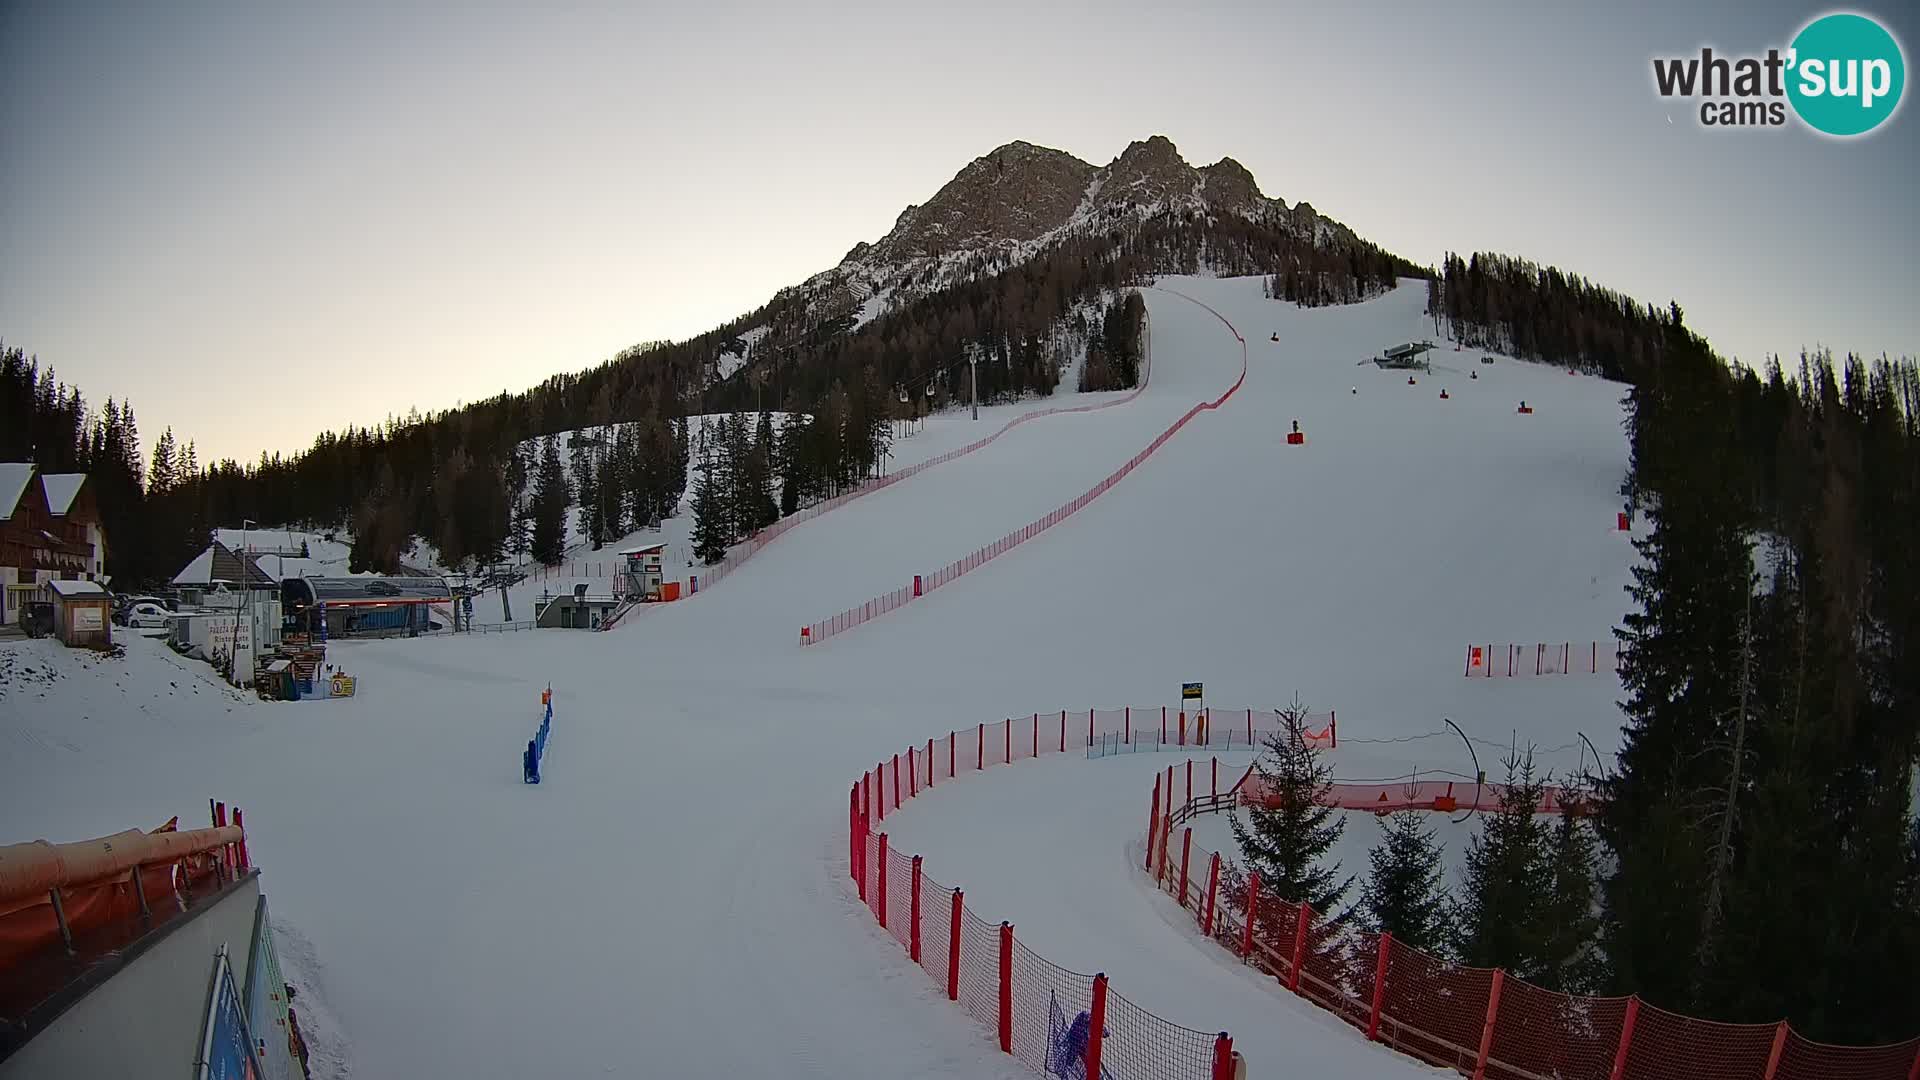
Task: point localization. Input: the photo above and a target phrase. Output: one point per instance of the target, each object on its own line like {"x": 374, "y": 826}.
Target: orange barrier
{"x": 50, "y": 892}
{"x": 1030, "y": 1004}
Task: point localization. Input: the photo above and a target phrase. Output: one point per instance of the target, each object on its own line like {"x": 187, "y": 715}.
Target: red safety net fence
{"x": 1056, "y": 1021}
{"x": 966, "y": 564}
{"x": 753, "y": 545}
{"x": 1542, "y": 658}
{"x": 1481, "y": 1022}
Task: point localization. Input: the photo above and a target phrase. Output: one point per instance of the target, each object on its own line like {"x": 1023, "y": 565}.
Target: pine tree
{"x": 586, "y": 483}
{"x": 160, "y": 474}
{"x": 761, "y": 510}
{"x": 1405, "y": 895}
{"x": 1500, "y": 917}
{"x": 1287, "y": 834}
{"x": 1571, "y": 922}
{"x": 710, "y": 537}
{"x": 550, "y": 500}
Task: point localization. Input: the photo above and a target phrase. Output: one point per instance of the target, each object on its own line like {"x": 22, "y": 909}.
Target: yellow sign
{"x": 341, "y": 686}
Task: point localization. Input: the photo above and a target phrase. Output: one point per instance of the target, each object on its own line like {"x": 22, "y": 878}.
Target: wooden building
{"x": 49, "y": 529}
{"x": 82, "y": 614}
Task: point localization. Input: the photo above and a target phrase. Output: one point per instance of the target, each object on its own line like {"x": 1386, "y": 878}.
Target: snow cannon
{"x": 1296, "y": 437}
{"x": 1525, "y": 409}
{"x": 1443, "y": 393}
{"x": 1275, "y": 337}
{"x": 1354, "y": 391}
{"x": 1410, "y": 380}
{"x": 1473, "y": 375}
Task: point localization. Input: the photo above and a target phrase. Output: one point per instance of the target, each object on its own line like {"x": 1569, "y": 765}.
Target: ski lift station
{"x": 320, "y": 608}
{"x": 1406, "y": 355}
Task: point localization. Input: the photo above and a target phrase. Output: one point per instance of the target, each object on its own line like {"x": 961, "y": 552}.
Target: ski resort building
{"x": 576, "y": 610}
{"x": 318, "y": 608}
{"x": 49, "y": 529}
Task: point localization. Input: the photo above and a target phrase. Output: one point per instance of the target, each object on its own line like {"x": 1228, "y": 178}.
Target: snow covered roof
{"x": 259, "y": 539}
{"x": 77, "y": 588}
{"x": 197, "y": 572}
{"x": 14, "y": 477}
{"x": 650, "y": 549}
{"x": 281, "y": 567}
{"x": 61, "y": 488}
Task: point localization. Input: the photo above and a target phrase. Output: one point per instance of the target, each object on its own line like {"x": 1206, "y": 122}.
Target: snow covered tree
{"x": 1405, "y": 894}
{"x": 1287, "y": 834}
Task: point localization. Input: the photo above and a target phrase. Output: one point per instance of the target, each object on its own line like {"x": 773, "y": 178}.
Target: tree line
{"x": 1516, "y": 307}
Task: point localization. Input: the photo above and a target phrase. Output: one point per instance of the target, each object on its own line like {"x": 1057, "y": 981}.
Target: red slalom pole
{"x": 953, "y": 949}
{"x": 1097, "y": 1028}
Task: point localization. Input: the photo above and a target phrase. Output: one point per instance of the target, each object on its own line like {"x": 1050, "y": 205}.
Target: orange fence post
{"x": 951, "y": 739}
{"x": 1779, "y": 1047}
{"x": 1213, "y": 893}
{"x": 1036, "y": 737}
{"x": 1222, "y": 1058}
{"x": 1486, "y": 1033}
{"x": 1183, "y": 727}
{"x": 1333, "y": 726}
{"x": 1127, "y": 730}
{"x": 882, "y": 875}
{"x": 1163, "y": 725}
{"x": 1626, "y": 1039}
{"x": 981, "y": 761}
{"x": 1253, "y": 908}
{"x": 881, "y": 783}
{"x": 1097, "y": 1026}
{"x": 1186, "y": 851}
{"x": 1299, "y": 946}
{"x": 913, "y": 776}
{"x": 1189, "y": 801}
{"x": 1089, "y": 727}
{"x": 853, "y": 839}
{"x": 1006, "y": 987}
{"x": 953, "y": 949}
{"x": 1249, "y": 729}
{"x": 1007, "y": 733}
{"x": 1379, "y": 986}
{"x": 1215, "y": 789}
{"x": 1153, "y": 821}
{"x": 913, "y": 925}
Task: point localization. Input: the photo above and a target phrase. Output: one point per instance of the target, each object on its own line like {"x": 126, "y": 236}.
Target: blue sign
{"x": 226, "y": 1049}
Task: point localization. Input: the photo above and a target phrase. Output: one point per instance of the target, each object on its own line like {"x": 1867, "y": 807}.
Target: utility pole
{"x": 973, "y": 379}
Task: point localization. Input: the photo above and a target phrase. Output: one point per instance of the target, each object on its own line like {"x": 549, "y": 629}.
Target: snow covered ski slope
{"x": 672, "y": 900}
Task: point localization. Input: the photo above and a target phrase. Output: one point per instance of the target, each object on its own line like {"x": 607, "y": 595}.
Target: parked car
{"x": 124, "y": 604}
{"x": 147, "y": 613}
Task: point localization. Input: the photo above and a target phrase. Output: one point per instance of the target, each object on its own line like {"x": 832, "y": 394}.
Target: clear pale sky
{"x": 258, "y": 224}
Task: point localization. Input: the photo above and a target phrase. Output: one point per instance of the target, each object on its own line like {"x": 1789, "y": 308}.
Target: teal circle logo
{"x": 1846, "y": 74}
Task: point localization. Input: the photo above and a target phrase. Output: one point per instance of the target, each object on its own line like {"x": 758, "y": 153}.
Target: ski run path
{"x": 673, "y": 899}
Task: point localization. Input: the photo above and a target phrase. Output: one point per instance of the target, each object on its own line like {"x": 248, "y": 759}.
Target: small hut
{"x": 81, "y": 614}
